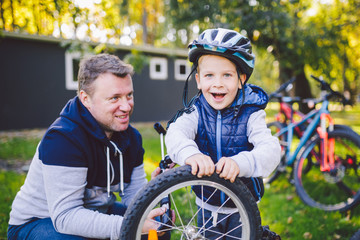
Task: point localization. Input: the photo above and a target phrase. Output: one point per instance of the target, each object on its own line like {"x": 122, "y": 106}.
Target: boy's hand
{"x": 227, "y": 168}
{"x": 201, "y": 164}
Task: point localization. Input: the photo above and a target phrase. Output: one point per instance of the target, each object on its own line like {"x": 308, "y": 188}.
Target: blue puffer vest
{"x": 222, "y": 134}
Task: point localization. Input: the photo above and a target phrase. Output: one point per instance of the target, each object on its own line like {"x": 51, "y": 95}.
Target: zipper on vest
{"x": 218, "y": 136}
{"x": 218, "y": 147}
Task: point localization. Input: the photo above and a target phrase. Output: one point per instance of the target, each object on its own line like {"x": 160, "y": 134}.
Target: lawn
{"x": 280, "y": 207}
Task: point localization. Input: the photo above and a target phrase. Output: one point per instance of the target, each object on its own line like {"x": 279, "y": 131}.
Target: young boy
{"x": 224, "y": 127}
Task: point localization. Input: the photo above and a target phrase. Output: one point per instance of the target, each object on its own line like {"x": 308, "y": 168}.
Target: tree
{"x": 337, "y": 30}
{"x": 289, "y": 31}
{"x": 303, "y": 36}
{"x": 146, "y": 18}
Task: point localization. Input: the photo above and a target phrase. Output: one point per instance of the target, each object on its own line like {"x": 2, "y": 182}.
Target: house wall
{"x": 33, "y": 91}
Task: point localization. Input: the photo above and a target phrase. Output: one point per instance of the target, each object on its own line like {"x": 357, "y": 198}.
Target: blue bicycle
{"x": 325, "y": 161}
{"x": 288, "y": 114}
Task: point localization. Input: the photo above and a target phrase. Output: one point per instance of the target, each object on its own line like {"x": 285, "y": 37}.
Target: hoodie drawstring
{"x": 109, "y": 165}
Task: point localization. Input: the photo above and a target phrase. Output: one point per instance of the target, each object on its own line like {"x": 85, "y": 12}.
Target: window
{"x": 158, "y": 68}
{"x": 182, "y": 69}
{"x": 72, "y": 60}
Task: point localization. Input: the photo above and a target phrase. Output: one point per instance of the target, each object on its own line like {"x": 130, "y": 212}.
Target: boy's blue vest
{"x": 221, "y": 134}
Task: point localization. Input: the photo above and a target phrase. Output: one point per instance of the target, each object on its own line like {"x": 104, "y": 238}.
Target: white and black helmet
{"x": 226, "y": 43}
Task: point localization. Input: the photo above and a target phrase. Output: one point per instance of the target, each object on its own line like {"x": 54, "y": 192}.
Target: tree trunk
{"x": 301, "y": 85}
{"x": 302, "y": 90}
{"x": 144, "y": 22}
{"x": 36, "y": 17}
{"x": 285, "y": 74}
{"x": 12, "y": 15}
{"x": 350, "y": 90}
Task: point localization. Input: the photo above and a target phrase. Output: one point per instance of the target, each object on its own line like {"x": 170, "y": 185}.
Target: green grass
{"x": 284, "y": 212}
{"x": 10, "y": 183}
{"x": 17, "y": 148}
{"x": 280, "y": 207}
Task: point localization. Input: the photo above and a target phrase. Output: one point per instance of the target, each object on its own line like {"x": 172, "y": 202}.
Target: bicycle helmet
{"x": 225, "y": 43}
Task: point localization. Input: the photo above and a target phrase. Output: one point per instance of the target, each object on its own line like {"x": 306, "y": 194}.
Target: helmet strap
{"x": 237, "y": 107}
{"x": 187, "y": 105}
{"x": 185, "y": 91}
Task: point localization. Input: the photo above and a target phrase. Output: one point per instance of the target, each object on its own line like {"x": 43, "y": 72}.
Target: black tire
{"x": 275, "y": 127}
{"x": 180, "y": 179}
{"x": 345, "y": 128}
{"x": 337, "y": 190}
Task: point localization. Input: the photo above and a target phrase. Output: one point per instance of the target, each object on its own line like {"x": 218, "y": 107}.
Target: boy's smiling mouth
{"x": 218, "y": 96}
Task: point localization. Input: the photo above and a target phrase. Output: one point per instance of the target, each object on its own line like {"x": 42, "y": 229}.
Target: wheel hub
{"x": 190, "y": 233}
{"x": 335, "y": 175}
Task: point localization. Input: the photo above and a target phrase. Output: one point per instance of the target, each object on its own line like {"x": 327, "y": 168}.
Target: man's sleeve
{"x": 65, "y": 187}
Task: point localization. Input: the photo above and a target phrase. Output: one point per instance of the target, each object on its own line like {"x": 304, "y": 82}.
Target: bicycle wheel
{"x": 177, "y": 183}
{"x": 275, "y": 127}
{"x": 334, "y": 190}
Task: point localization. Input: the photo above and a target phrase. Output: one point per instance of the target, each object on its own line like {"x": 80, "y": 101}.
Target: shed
{"x": 37, "y": 79}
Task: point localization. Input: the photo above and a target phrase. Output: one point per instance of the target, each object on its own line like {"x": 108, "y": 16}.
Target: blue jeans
{"x": 37, "y": 229}
{"x": 224, "y": 224}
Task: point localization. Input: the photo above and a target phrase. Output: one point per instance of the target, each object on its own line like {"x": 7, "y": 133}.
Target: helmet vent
{"x": 242, "y": 41}
{"x": 214, "y": 34}
{"x": 228, "y": 36}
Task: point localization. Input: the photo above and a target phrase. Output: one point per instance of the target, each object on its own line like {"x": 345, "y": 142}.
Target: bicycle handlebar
{"x": 282, "y": 88}
{"x": 332, "y": 93}
{"x": 159, "y": 128}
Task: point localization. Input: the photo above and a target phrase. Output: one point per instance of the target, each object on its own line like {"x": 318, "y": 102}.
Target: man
{"x": 85, "y": 156}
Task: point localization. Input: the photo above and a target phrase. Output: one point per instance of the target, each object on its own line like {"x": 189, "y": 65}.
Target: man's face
{"x": 218, "y": 80}
{"x": 111, "y": 103}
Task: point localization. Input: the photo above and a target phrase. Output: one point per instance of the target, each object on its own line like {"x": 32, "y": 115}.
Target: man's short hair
{"x": 93, "y": 66}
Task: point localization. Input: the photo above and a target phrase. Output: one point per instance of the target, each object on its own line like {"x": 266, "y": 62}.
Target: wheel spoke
{"x": 346, "y": 189}
{"x": 178, "y": 183}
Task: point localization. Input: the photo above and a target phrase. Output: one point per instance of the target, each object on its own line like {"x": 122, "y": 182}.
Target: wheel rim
{"x": 334, "y": 190}
{"x": 187, "y": 228}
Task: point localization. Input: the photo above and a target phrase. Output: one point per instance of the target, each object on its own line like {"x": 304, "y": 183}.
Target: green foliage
{"x": 137, "y": 60}
{"x": 304, "y": 37}
{"x": 298, "y": 34}
{"x": 76, "y": 46}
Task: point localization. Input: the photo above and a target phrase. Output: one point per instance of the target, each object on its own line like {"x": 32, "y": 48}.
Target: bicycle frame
{"x": 287, "y": 110}
{"x": 287, "y": 113}
{"x": 318, "y": 117}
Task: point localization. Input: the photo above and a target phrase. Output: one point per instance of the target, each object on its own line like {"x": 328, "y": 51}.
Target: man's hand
{"x": 150, "y": 222}
{"x": 227, "y": 168}
{"x": 156, "y": 172}
{"x": 201, "y": 164}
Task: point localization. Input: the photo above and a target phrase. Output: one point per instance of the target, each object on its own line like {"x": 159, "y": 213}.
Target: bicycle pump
{"x": 164, "y": 164}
